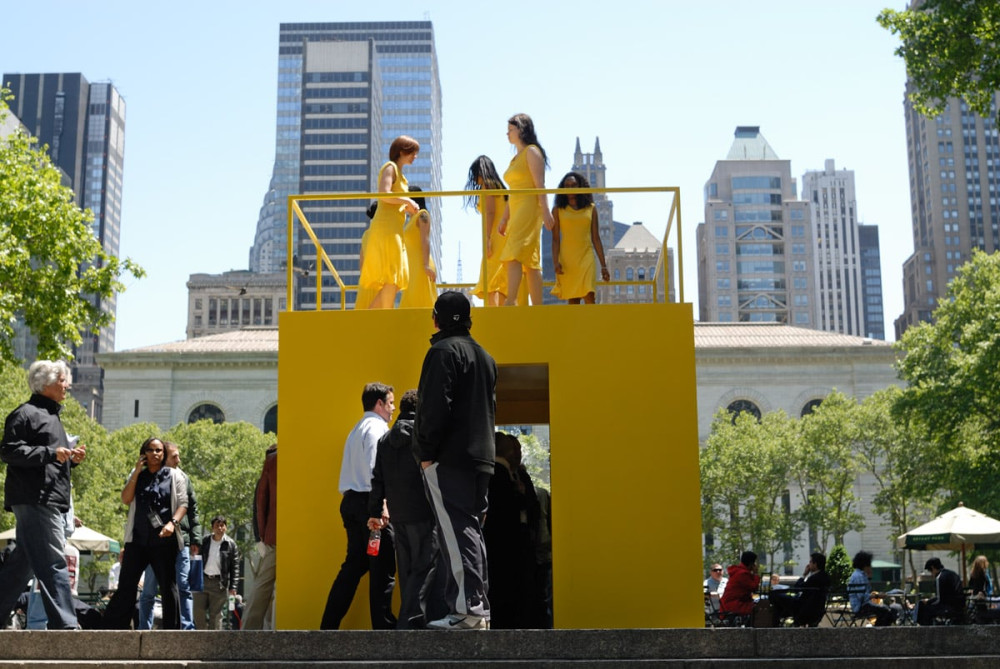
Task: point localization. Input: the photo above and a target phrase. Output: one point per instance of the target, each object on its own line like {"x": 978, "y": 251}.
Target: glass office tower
{"x": 403, "y": 82}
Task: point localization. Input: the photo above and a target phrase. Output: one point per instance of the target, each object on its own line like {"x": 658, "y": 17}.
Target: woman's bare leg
{"x": 589, "y": 298}
{"x": 534, "y": 277}
{"x": 386, "y": 297}
{"x": 513, "y": 282}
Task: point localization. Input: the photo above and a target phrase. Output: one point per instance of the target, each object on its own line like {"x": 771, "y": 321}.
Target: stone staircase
{"x": 885, "y": 648}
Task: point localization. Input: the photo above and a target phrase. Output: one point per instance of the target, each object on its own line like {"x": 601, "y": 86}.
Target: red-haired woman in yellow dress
{"x": 575, "y": 238}
{"x": 525, "y": 214}
{"x": 385, "y": 269}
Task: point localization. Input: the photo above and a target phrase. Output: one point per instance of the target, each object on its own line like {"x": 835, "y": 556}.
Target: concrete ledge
{"x": 928, "y": 646}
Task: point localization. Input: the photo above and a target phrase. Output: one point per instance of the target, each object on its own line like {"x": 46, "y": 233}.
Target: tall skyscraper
{"x": 755, "y": 248}
{"x": 336, "y": 116}
{"x": 871, "y": 272}
{"x": 837, "y": 268}
{"x": 83, "y": 125}
{"x": 954, "y": 163}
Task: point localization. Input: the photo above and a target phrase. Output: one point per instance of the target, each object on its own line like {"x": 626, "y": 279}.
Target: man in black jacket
{"x": 397, "y": 483}
{"x": 949, "y": 600}
{"x": 37, "y": 490}
{"x": 453, "y": 440}
{"x": 222, "y": 569}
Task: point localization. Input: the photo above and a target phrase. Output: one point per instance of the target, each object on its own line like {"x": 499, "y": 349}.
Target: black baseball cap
{"x": 452, "y": 310}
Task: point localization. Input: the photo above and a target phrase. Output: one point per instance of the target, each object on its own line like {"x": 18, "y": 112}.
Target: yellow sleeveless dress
{"x": 363, "y": 298}
{"x": 494, "y": 268}
{"x": 576, "y": 254}
{"x": 422, "y": 292}
{"x": 524, "y": 227}
{"x": 385, "y": 258}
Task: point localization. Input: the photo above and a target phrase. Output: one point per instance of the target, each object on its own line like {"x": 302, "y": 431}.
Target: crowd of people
{"x": 430, "y": 498}
{"x": 162, "y": 537}
{"x": 737, "y": 598}
{"x": 395, "y": 249}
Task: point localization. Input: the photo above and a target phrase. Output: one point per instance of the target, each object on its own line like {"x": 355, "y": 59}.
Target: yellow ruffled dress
{"x": 494, "y": 267}
{"x": 385, "y": 258}
{"x": 422, "y": 292}
{"x": 524, "y": 227}
{"x": 576, "y": 254}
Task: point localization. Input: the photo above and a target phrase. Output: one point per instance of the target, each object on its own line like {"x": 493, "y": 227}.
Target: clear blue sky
{"x": 663, "y": 84}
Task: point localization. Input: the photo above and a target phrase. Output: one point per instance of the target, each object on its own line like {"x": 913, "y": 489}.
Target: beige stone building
{"x": 233, "y": 300}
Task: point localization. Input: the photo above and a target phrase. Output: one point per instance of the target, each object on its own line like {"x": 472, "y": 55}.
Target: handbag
{"x": 196, "y": 574}
{"x": 762, "y": 614}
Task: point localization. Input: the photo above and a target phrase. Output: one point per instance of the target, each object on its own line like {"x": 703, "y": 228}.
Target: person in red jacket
{"x": 743, "y": 581}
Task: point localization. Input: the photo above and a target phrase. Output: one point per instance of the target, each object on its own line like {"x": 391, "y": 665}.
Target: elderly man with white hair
{"x": 37, "y": 490}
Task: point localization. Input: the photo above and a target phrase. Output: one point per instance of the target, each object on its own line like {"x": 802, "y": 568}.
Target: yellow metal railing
{"x": 322, "y": 259}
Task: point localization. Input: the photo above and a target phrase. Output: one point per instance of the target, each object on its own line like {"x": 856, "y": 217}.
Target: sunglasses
{"x": 718, "y": 570}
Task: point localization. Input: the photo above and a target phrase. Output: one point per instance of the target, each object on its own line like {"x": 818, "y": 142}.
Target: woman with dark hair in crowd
{"x": 524, "y": 214}
{"x": 575, "y": 238}
{"x": 157, "y": 501}
{"x": 422, "y": 291}
{"x": 483, "y": 176}
{"x": 385, "y": 269}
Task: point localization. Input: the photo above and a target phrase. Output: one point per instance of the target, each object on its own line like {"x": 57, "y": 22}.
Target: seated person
{"x": 981, "y": 586}
{"x": 716, "y": 582}
{"x": 776, "y": 583}
{"x": 806, "y": 600}
{"x": 859, "y": 590}
{"x": 949, "y": 600}
{"x": 743, "y": 581}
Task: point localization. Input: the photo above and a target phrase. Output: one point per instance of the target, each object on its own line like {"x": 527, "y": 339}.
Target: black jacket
{"x": 229, "y": 559}
{"x": 396, "y": 477}
{"x": 189, "y": 523}
{"x": 457, "y": 403}
{"x": 31, "y": 434}
{"x": 949, "y": 585}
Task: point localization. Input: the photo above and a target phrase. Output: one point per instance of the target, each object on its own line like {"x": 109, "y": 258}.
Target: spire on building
{"x": 578, "y": 154}
{"x": 749, "y": 144}
{"x": 598, "y": 158}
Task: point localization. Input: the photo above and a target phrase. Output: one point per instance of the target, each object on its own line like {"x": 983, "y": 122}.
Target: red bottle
{"x": 374, "y": 541}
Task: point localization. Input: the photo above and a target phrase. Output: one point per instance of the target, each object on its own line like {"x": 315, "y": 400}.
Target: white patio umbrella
{"x": 957, "y": 530}
{"x": 83, "y": 538}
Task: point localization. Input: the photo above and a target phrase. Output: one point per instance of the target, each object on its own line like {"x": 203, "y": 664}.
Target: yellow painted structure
{"x": 616, "y": 384}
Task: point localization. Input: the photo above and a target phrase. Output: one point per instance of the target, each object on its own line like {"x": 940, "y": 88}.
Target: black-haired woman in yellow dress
{"x": 575, "y": 239}
{"x": 422, "y": 291}
{"x": 524, "y": 214}
{"x": 385, "y": 269}
{"x": 483, "y": 175}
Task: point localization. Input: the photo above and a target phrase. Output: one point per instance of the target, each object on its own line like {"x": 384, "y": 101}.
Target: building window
{"x": 206, "y": 412}
{"x": 720, "y": 266}
{"x": 722, "y": 249}
{"x": 271, "y": 420}
{"x": 799, "y": 265}
{"x": 725, "y": 300}
{"x": 618, "y": 275}
{"x": 629, "y": 274}
{"x": 801, "y": 318}
{"x": 809, "y": 407}
{"x": 743, "y": 406}
{"x": 721, "y": 231}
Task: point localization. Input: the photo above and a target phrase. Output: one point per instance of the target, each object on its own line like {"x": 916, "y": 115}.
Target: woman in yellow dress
{"x": 422, "y": 291}
{"x": 385, "y": 269}
{"x": 575, "y": 238}
{"x": 483, "y": 175}
{"x": 524, "y": 215}
{"x": 363, "y": 298}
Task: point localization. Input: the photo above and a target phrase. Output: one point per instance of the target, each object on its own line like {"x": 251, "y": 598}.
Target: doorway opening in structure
{"x": 518, "y": 526}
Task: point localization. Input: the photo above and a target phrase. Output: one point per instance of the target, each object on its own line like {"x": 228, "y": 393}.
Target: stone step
{"x": 888, "y": 648}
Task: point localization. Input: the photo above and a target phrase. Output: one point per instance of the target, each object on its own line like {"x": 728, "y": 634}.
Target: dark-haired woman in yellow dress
{"x": 524, "y": 214}
{"x": 385, "y": 269}
{"x": 422, "y": 291}
{"x": 483, "y": 175}
{"x": 575, "y": 238}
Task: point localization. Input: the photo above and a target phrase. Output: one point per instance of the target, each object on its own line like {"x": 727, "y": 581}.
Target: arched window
{"x": 271, "y": 420}
{"x": 209, "y": 411}
{"x": 743, "y": 406}
{"x": 652, "y": 272}
{"x": 810, "y": 407}
{"x": 642, "y": 274}
{"x": 618, "y": 275}
{"x": 629, "y": 274}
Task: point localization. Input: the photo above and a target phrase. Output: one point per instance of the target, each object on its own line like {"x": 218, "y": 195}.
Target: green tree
{"x": 838, "y": 567}
{"x": 52, "y": 265}
{"x": 952, "y": 367}
{"x": 745, "y": 467}
{"x": 223, "y": 461}
{"x": 951, "y": 48}
{"x": 827, "y": 469}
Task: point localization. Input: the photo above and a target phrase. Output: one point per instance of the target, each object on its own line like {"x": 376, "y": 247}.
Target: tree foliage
{"x": 951, "y": 48}
{"x": 745, "y": 468}
{"x": 53, "y": 267}
{"x": 952, "y": 367}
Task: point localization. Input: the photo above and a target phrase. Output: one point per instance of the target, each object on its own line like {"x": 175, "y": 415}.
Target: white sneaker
{"x": 460, "y": 622}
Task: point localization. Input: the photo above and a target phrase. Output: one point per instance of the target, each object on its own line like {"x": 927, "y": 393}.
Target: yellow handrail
{"x": 295, "y": 213}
